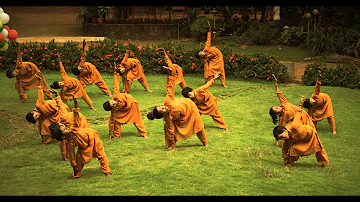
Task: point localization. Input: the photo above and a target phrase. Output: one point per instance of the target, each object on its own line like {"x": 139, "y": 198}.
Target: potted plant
{"x": 82, "y": 15}
{"x": 102, "y": 10}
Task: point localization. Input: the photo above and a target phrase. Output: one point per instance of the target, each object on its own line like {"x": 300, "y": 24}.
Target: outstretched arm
{"x": 116, "y": 83}
{"x": 83, "y": 54}
{"x": 167, "y": 58}
{"x": 208, "y": 38}
{"x": 40, "y": 98}
{"x": 18, "y": 54}
{"x": 281, "y": 97}
{"x": 317, "y": 87}
{"x": 64, "y": 76}
{"x": 76, "y": 111}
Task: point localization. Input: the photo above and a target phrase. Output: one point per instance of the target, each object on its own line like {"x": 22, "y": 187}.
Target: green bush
{"x": 259, "y": 33}
{"x": 344, "y": 75}
{"x": 293, "y": 36}
{"x": 331, "y": 40}
{"x": 258, "y": 66}
{"x": 103, "y": 54}
{"x": 200, "y": 27}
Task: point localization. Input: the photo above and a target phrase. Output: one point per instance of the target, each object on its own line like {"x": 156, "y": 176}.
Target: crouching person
{"x": 300, "y": 140}
{"x": 88, "y": 142}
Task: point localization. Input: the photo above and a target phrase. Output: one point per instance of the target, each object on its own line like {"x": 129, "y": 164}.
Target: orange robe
{"x": 207, "y": 103}
{"x": 68, "y": 120}
{"x": 183, "y": 120}
{"x": 72, "y": 86}
{"x": 51, "y": 112}
{"x": 90, "y": 75}
{"x": 89, "y": 146}
{"x": 177, "y": 72}
{"x": 322, "y": 108}
{"x": 303, "y": 141}
{"x": 26, "y": 79}
{"x": 133, "y": 71}
{"x": 213, "y": 61}
{"x": 290, "y": 110}
{"x": 126, "y": 111}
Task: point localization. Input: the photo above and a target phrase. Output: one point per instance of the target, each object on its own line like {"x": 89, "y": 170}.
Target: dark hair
{"x": 107, "y": 106}
{"x": 55, "y": 85}
{"x": 277, "y": 131}
{"x": 118, "y": 71}
{"x": 185, "y": 91}
{"x": 75, "y": 71}
{"x": 9, "y": 73}
{"x": 55, "y": 131}
{"x": 30, "y": 117}
{"x": 307, "y": 103}
{"x": 273, "y": 115}
{"x": 154, "y": 114}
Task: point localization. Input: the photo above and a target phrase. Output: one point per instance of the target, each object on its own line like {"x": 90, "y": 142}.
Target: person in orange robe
{"x": 132, "y": 70}
{"x": 206, "y": 102}
{"x": 213, "y": 60}
{"x": 174, "y": 70}
{"x": 28, "y": 77}
{"x": 88, "y": 74}
{"x": 87, "y": 141}
{"x": 47, "y": 112}
{"x": 70, "y": 87}
{"x": 124, "y": 110}
{"x": 300, "y": 140}
{"x": 286, "y": 111}
{"x": 181, "y": 117}
{"x": 68, "y": 120}
{"x": 320, "y": 106}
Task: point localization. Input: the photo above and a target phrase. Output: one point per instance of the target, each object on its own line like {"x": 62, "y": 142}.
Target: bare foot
{"x": 334, "y": 132}
{"x": 225, "y": 85}
{"x": 93, "y": 108}
{"x": 145, "y": 136}
{"x": 227, "y": 129}
{"x": 148, "y": 90}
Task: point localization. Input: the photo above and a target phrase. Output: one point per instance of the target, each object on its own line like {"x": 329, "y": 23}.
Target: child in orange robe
{"x": 87, "y": 141}
{"x": 124, "y": 110}
{"x": 300, "y": 140}
{"x": 320, "y": 106}
{"x": 206, "y": 102}
{"x": 88, "y": 74}
{"x": 286, "y": 110}
{"x": 28, "y": 76}
{"x": 47, "y": 112}
{"x": 213, "y": 61}
{"x": 70, "y": 87}
{"x": 133, "y": 70}
{"x": 175, "y": 71}
{"x": 181, "y": 116}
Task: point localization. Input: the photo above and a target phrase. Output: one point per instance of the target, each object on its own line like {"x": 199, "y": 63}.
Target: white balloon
{"x": 1, "y": 10}
{"x": 5, "y": 33}
{"x": 4, "y": 17}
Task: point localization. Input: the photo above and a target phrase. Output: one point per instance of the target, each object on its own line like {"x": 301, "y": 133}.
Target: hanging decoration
{"x": 6, "y": 34}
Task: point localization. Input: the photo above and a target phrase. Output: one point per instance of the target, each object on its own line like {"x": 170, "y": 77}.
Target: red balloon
{"x": 1, "y": 38}
{"x": 12, "y": 34}
{"x": 7, "y": 27}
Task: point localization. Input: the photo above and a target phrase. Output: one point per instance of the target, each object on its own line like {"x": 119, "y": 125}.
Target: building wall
{"x": 33, "y": 21}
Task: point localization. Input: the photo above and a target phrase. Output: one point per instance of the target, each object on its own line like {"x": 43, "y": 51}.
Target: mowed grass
{"x": 243, "y": 162}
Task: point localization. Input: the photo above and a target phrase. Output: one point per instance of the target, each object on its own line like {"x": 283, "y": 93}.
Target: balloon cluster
{"x": 5, "y": 31}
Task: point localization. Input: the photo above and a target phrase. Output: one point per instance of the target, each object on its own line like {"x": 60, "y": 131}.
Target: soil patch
{"x": 17, "y": 129}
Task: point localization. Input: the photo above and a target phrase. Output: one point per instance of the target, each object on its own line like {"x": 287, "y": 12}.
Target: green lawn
{"x": 243, "y": 162}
